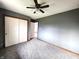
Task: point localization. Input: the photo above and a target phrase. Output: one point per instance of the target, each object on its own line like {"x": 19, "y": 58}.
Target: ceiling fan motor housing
{"x": 38, "y": 6}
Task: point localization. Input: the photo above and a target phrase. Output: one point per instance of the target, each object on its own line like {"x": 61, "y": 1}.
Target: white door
{"x": 15, "y": 31}
{"x": 33, "y": 29}
{"x": 23, "y": 31}
{"x": 11, "y": 31}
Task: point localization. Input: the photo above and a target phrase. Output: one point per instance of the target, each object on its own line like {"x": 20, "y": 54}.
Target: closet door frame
{"x": 17, "y": 18}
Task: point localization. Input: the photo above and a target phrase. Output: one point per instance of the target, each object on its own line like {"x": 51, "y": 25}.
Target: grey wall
{"x": 1, "y": 31}
{"x": 4, "y": 13}
{"x": 13, "y": 14}
{"x": 61, "y": 29}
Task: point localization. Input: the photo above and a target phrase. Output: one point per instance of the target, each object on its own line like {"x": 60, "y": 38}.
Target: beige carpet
{"x": 37, "y": 49}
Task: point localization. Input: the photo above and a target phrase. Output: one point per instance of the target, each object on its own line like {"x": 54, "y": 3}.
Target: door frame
{"x": 17, "y": 18}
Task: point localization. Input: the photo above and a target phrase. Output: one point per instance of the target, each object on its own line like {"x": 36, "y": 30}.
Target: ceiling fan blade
{"x": 31, "y": 7}
{"x": 41, "y": 10}
{"x": 36, "y": 2}
{"x": 44, "y": 6}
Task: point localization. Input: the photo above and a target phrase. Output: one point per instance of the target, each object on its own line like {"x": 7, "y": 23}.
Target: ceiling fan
{"x": 38, "y": 6}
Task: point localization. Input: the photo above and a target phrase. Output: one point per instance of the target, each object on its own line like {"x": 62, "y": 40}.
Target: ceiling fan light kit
{"x": 38, "y": 7}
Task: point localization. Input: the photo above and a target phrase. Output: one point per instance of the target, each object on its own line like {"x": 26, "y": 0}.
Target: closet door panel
{"x": 33, "y": 29}
{"x": 11, "y": 31}
{"x": 23, "y": 30}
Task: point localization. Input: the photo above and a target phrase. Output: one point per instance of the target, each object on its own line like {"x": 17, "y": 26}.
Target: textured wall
{"x": 1, "y": 31}
{"x": 61, "y": 29}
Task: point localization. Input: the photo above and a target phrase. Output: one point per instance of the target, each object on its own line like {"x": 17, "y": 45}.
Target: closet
{"x": 33, "y": 29}
{"x": 15, "y": 31}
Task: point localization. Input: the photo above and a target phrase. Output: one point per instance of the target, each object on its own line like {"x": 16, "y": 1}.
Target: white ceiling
{"x": 56, "y": 6}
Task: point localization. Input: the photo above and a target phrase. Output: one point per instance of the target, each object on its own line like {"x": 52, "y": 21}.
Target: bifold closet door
{"x": 15, "y": 31}
{"x": 22, "y": 31}
{"x": 11, "y": 31}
